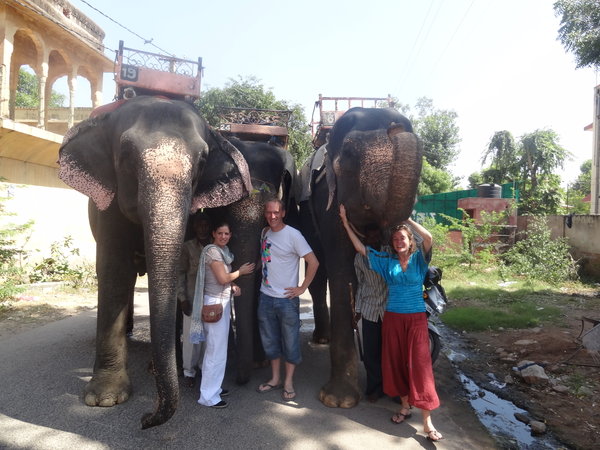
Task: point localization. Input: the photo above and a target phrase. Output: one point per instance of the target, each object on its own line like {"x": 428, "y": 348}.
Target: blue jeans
{"x": 279, "y": 323}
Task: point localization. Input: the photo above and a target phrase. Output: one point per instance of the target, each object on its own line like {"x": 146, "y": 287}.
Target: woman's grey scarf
{"x": 196, "y": 327}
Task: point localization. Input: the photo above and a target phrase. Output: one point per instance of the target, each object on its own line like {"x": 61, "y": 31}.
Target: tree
{"x": 439, "y": 132}
{"x": 434, "y": 181}
{"x": 250, "y": 93}
{"x": 541, "y": 155}
{"x": 28, "y": 93}
{"x": 579, "y": 30}
{"x": 502, "y": 151}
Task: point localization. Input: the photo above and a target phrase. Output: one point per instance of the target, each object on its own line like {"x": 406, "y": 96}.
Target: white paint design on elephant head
{"x": 73, "y": 175}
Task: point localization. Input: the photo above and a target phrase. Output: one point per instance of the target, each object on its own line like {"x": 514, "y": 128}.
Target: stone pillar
{"x": 595, "y": 197}
{"x": 43, "y": 77}
{"x": 96, "y": 90}
{"x": 72, "y": 82}
{"x": 6, "y": 51}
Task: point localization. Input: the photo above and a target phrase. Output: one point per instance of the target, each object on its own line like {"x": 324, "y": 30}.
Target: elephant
{"x": 371, "y": 164}
{"x": 145, "y": 167}
{"x": 273, "y": 172}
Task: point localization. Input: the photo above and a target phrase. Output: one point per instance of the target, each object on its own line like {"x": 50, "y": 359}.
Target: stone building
{"x": 55, "y": 40}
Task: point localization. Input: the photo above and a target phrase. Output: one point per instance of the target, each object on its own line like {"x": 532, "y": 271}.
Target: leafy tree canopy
{"x": 28, "y": 93}
{"x": 439, "y": 132}
{"x": 579, "y": 30}
{"x": 249, "y": 92}
{"x": 434, "y": 181}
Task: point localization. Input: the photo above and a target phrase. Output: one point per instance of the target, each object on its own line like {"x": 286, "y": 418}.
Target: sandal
{"x": 434, "y": 435}
{"x": 399, "y": 417}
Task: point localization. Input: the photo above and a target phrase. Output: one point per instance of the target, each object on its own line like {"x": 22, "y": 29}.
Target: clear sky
{"x": 497, "y": 64}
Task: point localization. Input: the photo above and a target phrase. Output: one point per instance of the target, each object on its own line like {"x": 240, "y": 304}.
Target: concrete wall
{"x": 583, "y": 237}
{"x": 56, "y": 213}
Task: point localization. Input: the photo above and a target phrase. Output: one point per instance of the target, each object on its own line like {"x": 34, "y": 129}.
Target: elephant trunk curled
{"x": 164, "y": 200}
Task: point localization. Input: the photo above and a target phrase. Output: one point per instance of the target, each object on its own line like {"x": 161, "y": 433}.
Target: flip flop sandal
{"x": 288, "y": 395}
{"x": 434, "y": 435}
{"x": 266, "y": 387}
{"x": 400, "y": 417}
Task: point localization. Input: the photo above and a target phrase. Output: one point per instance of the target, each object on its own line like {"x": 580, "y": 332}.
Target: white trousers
{"x": 190, "y": 353}
{"x": 215, "y": 355}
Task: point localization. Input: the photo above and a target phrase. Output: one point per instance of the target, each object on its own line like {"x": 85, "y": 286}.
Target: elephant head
{"x": 376, "y": 161}
{"x": 145, "y": 166}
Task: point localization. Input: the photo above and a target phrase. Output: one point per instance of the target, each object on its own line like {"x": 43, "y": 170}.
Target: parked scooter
{"x": 435, "y": 304}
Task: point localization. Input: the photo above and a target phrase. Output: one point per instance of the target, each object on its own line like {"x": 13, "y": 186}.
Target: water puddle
{"x": 495, "y": 413}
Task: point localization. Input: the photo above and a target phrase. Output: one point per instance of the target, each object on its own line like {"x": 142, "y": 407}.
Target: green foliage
{"x": 11, "y": 270}
{"x": 434, "y": 181}
{"x": 539, "y": 256}
{"x": 250, "y": 93}
{"x": 57, "y": 267}
{"x": 477, "y": 242}
{"x": 503, "y": 153}
{"x": 28, "y": 93}
{"x": 579, "y": 30}
{"x": 439, "y": 132}
{"x": 532, "y": 160}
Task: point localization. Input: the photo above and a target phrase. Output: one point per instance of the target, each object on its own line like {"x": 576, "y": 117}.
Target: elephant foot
{"x": 242, "y": 377}
{"x": 107, "y": 389}
{"x": 318, "y": 338}
{"x": 340, "y": 394}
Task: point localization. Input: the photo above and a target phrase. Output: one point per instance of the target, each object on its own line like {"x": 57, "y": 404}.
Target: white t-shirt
{"x": 280, "y": 254}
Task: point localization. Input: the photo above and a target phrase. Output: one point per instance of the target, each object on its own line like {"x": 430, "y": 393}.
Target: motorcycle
{"x": 436, "y": 302}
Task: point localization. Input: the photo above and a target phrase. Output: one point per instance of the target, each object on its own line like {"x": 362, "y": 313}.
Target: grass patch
{"x": 480, "y": 299}
{"x": 515, "y": 315}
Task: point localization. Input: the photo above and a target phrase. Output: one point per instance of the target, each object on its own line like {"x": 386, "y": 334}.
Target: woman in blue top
{"x": 406, "y": 361}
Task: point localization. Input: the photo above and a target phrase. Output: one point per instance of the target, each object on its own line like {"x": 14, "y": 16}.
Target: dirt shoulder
{"x": 568, "y": 402}
{"x": 42, "y": 304}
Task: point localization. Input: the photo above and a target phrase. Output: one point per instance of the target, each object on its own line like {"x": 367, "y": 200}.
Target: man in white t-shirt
{"x": 282, "y": 246}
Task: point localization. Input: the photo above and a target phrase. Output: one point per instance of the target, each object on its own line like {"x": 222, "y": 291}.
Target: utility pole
{"x": 595, "y": 197}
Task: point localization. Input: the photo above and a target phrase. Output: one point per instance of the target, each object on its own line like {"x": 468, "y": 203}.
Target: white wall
{"x": 57, "y": 212}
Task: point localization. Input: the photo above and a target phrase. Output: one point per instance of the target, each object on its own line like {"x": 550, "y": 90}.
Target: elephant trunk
{"x": 164, "y": 201}
{"x": 406, "y": 171}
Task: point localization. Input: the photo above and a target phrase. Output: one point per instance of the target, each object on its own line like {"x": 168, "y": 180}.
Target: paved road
{"x": 43, "y": 373}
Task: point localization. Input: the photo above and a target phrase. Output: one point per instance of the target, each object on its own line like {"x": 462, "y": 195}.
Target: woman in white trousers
{"x": 214, "y": 285}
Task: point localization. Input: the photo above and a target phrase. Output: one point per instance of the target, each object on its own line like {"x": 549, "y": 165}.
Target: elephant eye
{"x": 366, "y": 207}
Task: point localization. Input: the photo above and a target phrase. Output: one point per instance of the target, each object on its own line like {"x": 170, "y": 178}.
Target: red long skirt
{"x": 406, "y": 361}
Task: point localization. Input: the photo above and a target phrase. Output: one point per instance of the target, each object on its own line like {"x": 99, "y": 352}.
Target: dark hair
{"x": 402, "y": 227}
{"x": 200, "y": 217}
{"x": 218, "y": 224}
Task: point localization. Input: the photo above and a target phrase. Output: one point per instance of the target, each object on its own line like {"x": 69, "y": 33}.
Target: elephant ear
{"x": 86, "y": 163}
{"x": 288, "y": 180}
{"x": 225, "y": 177}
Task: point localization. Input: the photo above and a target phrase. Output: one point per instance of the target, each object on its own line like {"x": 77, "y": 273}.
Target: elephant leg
{"x": 342, "y": 388}
{"x": 116, "y": 272}
{"x": 244, "y": 332}
{"x": 318, "y": 293}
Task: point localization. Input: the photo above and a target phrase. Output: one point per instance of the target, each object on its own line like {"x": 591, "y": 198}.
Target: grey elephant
{"x": 273, "y": 171}
{"x": 145, "y": 166}
{"x": 371, "y": 165}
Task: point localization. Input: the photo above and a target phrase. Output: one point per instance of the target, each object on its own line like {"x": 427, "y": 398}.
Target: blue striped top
{"x": 405, "y": 289}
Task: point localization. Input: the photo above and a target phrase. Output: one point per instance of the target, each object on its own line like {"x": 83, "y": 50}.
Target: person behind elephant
{"x": 188, "y": 269}
{"x": 371, "y": 297}
{"x": 214, "y": 285}
{"x": 282, "y": 246}
{"x": 406, "y": 360}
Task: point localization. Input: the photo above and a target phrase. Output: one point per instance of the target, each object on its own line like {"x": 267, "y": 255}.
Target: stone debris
{"x": 522, "y": 418}
{"x": 525, "y": 342}
{"x": 537, "y": 428}
{"x": 561, "y": 388}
